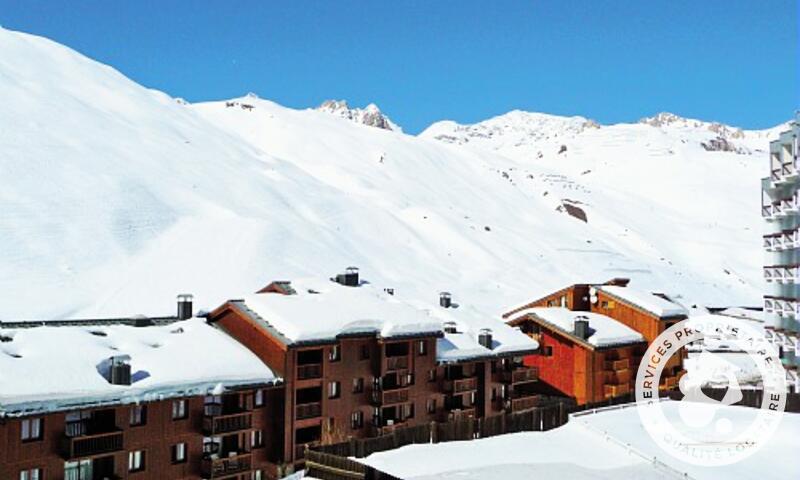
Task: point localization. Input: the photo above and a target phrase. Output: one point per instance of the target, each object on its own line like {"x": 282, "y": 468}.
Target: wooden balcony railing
{"x": 300, "y": 450}
{"x": 306, "y": 372}
{"x": 221, "y": 467}
{"x": 308, "y": 410}
{"x": 396, "y": 363}
{"x": 220, "y": 424}
{"x": 461, "y": 385}
{"x": 621, "y": 364}
{"x": 520, "y": 404}
{"x": 615, "y": 390}
{"x": 93, "y": 444}
{"x": 520, "y": 375}
{"x": 390, "y": 397}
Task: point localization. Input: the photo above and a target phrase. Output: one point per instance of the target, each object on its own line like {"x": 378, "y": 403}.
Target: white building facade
{"x": 780, "y": 207}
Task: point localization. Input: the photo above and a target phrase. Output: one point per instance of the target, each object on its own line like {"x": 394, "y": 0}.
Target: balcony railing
{"x": 396, "y": 363}
{"x": 220, "y": 424}
{"x": 618, "y": 376}
{"x": 390, "y": 397}
{"x": 456, "y": 413}
{"x": 521, "y": 403}
{"x": 622, "y": 364}
{"x": 782, "y": 273}
{"x": 615, "y": 390}
{"x": 92, "y": 444}
{"x": 520, "y": 375}
{"x": 221, "y": 467}
{"x": 308, "y": 410}
{"x": 461, "y": 385}
{"x": 787, "y": 307}
{"x": 310, "y": 371}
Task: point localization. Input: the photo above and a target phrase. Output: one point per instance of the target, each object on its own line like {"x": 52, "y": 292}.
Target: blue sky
{"x": 733, "y": 61}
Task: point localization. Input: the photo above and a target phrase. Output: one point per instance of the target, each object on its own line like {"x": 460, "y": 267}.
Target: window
{"x": 179, "y": 453}
{"x": 335, "y": 354}
{"x": 358, "y": 385}
{"x": 138, "y": 415}
{"x": 136, "y": 461}
{"x": 334, "y": 389}
{"x": 357, "y": 420}
{"x": 407, "y": 411}
{"x": 364, "y": 352}
{"x": 563, "y": 300}
{"x": 432, "y": 405}
{"x": 257, "y": 438}
{"x": 31, "y": 474}
{"x": 256, "y": 475}
{"x": 78, "y": 470}
{"x": 494, "y": 393}
{"x": 258, "y": 398}
{"x": 548, "y": 351}
{"x": 31, "y": 429}
{"x": 604, "y": 304}
{"x": 409, "y": 380}
{"x": 422, "y": 348}
{"x": 179, "y": 409}
{"x": 432, "y": 375}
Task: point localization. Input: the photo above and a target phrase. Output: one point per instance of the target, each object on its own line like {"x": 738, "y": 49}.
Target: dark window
{"x": 422, "y": 347}
{"x": 548, "y": 351}
{"x": 136, "y": 461}
{"x": 256, "y": 439}
{"x": 334, "y": 389}
{"x": 358, "y": 385}
{"x": 357, "y": 420}
{"x": 365, "y": 352}
{"x": 335, "y": 354}
{"x": 604, "y": 304}
{"x": 138, "y": 415}
{"x": 179, "y": 410}
{"x": 179, "y": 453}
{"x": 432, "y": 405}
{"x": 31, "y": 429}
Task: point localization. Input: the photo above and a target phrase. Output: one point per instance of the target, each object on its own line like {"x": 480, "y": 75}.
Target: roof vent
{"x": 185, "y": 306}
{"x": 390, "y": 291}
{"x": 449, "y": 327}
{"x": 485, "y": 338}
{"x": 349, "y": 278}
{"x": 445, "y": 300}
{"x": 619, "y": 282}
{"x": 119, "y": 372}
{"x": 582, "y": 327}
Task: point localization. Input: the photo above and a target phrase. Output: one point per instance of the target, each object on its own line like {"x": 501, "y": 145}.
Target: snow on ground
{"x": 49, "y": 368}
{"x": 588, "y": 447}
{"x": 123, "y": 197}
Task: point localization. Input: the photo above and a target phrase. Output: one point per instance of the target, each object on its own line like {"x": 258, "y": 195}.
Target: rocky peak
{"x": 370, "y": 116}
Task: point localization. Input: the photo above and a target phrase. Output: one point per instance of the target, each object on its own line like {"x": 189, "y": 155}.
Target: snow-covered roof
{"x": 323, "y": 310}
{"x": 55, "y": 368}
{"x": 652, "y": 303}
{"x": 604, "y": 331}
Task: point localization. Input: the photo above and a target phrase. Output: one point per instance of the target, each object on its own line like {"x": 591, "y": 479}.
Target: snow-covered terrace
{"x": 321, "y": 311}
{"x": 603, "y": 331}
{"x": 647, "y": 301}
{"x": 57, "y": 368}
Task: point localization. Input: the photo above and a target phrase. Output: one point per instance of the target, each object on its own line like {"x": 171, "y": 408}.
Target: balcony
{"x": 309, "y": 371}
{"x": 786, "y": 307}
{"x": 230, "y": 465}
{"x": 520, "y": 403}
{"x": 618, "y": 376}
{"x": 308, "y": 410}
{"x": 459, "y": 413}
{"x": 461, "y": 385}
{"x": 390, "y": 397}
{"x": 622, "y": 364}
{"x": 222, "y": 424}
{"x": 88, "y": 445}
{"x": 615, "y": 390}
{"x": 396, "y": 363}
{"x": 520, "y": 375}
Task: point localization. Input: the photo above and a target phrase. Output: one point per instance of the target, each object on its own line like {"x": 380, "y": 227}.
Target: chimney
{"x": 449, "y": 327}
{"x": 349, "y": 278}
{"x": 120, "y": 371}
{"x": 619, "y": 282}
{"x": 390, "y": 291}
{"x": 582, "y": 327}
{"x": 445, "y": 299}
{"x": 485, "y": 338}
{"x": 185, "y": 306}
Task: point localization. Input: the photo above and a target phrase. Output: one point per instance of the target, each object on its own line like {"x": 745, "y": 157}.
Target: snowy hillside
{"x": 121, "y": 197}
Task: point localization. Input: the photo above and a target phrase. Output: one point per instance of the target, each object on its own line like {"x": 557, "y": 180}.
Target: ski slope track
{"x": 116, "y": 197}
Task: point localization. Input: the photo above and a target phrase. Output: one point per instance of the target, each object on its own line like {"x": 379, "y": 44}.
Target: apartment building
{"x": 646, "y": 313}
{"x": 358, "y": 361}
{"x": 584, "y": 355}
{"x": 134, "y": 398}
{"x": 780, "y": 208}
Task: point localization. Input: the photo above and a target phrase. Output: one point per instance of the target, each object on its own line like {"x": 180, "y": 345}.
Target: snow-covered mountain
{"x": 370, "y": 116}
{"x": 117, "y": 197}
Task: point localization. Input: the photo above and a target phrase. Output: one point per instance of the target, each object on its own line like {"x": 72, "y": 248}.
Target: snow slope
{"x": 117, "y": 197}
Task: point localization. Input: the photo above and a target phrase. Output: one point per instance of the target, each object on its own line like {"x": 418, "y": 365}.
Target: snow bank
{"x": 652, "y": 303}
